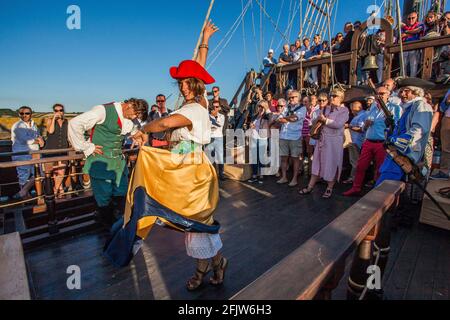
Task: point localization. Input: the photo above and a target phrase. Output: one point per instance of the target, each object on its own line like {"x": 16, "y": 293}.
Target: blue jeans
{"x": 258, "y": 147}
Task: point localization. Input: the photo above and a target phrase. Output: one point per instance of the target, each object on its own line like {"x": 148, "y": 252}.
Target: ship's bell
{"x": 370, "y": 63}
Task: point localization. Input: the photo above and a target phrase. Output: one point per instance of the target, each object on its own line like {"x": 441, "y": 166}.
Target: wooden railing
{"x": 427, "y": 45}
{"x": 46, "y": 201}
{"x": 315, "y": 269}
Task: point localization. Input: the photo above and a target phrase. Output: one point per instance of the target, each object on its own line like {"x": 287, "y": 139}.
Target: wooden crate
{"x": 431, "y": 214}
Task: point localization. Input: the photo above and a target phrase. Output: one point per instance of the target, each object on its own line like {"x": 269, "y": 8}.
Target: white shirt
{"x": 201, "y": 125}
{"x": 23, "y": 136}
{"x": 88, "y": 120}
{"x": 217, "y": 131}
{"x": 293, "y": 130}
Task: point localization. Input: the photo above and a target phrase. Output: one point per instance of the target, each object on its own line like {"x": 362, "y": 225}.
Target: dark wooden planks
{"x": 301, "y": 274}
{"x": 261, "y": 225}
{"x": 13, "y": 273}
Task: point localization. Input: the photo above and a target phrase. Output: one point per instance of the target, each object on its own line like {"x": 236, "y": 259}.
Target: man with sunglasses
{"x": 214, "y": 150}
{"x": 224, "y": 106}
{"x": 157, "y": 140}
{"x": 25, "y": 137}
{"x": 291, "y": 137}
{"x": 412, "y": 31}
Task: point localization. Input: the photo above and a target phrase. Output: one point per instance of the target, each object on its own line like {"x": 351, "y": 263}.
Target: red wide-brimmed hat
{"x": 191, "y": 69}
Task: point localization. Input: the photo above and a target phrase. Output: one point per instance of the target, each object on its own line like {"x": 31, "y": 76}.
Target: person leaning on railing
{"x": 25, "y": 137}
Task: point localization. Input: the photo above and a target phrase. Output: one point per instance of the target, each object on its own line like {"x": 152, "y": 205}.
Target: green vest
{"x": 111, "y": 165}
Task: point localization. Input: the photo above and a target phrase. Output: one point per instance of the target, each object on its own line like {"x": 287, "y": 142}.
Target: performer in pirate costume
{"x": 177, "y": 188}
{"x": 109, "y": 124}
{"x": 410, "y": 135}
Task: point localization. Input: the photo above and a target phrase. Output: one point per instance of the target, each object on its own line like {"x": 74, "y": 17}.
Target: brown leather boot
{"x": 219, "y": 264}
{"x": 203, "y": 268}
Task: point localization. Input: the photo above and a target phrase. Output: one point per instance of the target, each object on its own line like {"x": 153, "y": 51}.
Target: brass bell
{"x": 370, "y": 63}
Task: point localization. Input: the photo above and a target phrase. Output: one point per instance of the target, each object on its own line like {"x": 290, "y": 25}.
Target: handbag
{"x": 316, "y": 129}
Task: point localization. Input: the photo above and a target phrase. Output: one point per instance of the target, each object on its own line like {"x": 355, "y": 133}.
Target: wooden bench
{"x": 13, "y": 274}
{"x": 303, "y": 273}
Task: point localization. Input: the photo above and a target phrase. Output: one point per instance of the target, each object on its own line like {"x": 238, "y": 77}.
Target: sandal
{"x": 305, "y": 191}
{"x": 328, "y": 194}
{"x": 195, "y": 282}
{"x": 219, "y": 272}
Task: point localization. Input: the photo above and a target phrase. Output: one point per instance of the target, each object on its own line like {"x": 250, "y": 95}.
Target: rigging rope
{"x": 322, "y": 19}
{"x": 271, "y": 20}
{"x": 258, "y": 58}
{"x": 329, "y": 45}
{"x": 335, "y": 16}
{"x": 236, "y": 27}
{"x": 244, "y": 39}
{"x": 278, "y": 22}
{"x": 231, "y": 29}
{"x": 304, "y": 22}
{"x": 287, "y": 29}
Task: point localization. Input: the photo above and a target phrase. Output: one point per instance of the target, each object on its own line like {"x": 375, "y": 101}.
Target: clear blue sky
{"x": 125, "y": 48}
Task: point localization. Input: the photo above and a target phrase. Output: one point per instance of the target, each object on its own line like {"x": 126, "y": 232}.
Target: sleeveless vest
{"x": 111, "y": 165}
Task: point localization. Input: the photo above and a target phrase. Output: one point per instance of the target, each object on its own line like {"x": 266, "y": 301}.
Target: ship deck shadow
{"x": 261, "y": 225}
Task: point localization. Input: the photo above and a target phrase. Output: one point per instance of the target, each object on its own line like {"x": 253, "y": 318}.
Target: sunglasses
{"x": 291, "y": 98}
{"x": 158, "y": 101}
{"x": 215, "y": 91}
{"x": 412, "y": 18}
{"x": 334, "y": 96}
{"x": 322, "y": 100}
{"x": 25, "y": 113}
{"x": 59, "y": 110}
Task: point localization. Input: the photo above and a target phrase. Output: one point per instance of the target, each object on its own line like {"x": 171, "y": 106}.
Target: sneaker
{"x": 440, "y": 176}
{"x": 252, "y": 180}
{"x": 261, "y": 180}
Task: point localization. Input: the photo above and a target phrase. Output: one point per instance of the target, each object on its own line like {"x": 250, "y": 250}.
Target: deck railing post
{"x": 38, "y": 186}
{"x": 50, "y": 202}
{"x": 362, "y": 259}
{"x": 332, "y": 283}
{"x": 427, "y": 63}
{"x": 325, "y": 75}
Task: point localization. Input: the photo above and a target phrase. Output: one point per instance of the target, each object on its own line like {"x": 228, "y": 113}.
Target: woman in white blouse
{"x": 190, "y": 130}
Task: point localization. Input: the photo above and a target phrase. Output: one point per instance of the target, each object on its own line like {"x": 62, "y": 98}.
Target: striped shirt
{"x": 307, "y": 123}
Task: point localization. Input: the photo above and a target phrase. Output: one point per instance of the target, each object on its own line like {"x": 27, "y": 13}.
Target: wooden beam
{"x": 13, "y": 272}
{"x": 317, "y": 62}
{"x": 427, "y": 64}
{"x": 325, "y": 76}
{"x": 304, "y": 272}
{"x": 420, "y": 44}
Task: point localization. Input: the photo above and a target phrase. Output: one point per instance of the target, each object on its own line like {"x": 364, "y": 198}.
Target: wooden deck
{"x": 261, "y": 226}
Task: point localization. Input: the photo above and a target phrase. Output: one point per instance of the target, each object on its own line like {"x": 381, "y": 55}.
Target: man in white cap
{"x": 268, "y": 63}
